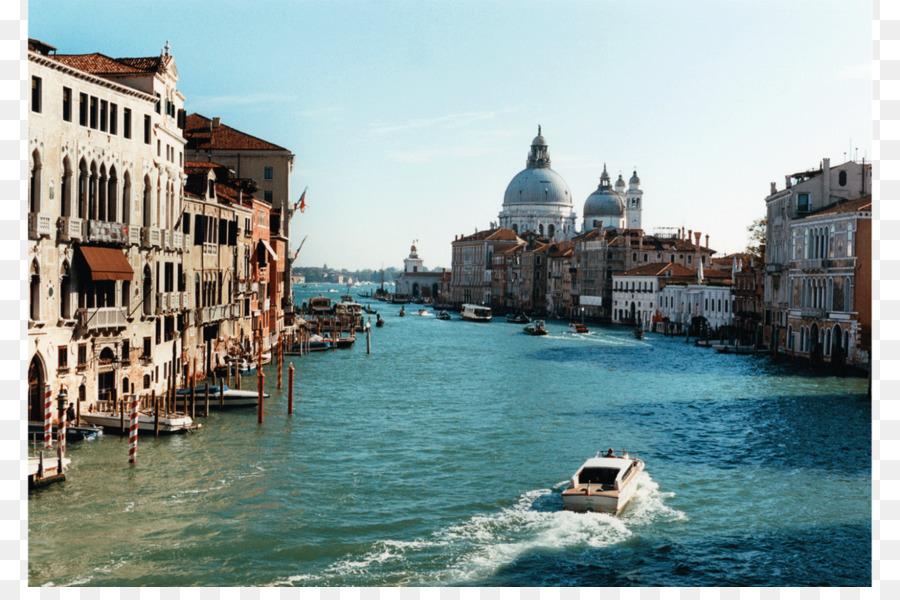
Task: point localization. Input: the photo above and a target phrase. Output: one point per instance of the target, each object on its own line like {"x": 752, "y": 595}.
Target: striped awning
{"x": 106, "y": 264}
{"x": 269, "y": 248}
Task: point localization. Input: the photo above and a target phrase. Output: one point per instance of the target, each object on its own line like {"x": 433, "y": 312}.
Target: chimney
{"x": 826, "y": 181}
{"x": 772, "y": 189}
{"x": 787, "y": 181}
{"x": 216, "y": 122}
{"x": 707, "y": 240}
{"x": 697, "y": 238}
{"x": 690, "y": 234}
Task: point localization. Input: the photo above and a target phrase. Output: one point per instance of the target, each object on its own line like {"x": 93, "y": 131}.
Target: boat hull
{"x": 146, "y": 422}
{"x": 609, "y": 501}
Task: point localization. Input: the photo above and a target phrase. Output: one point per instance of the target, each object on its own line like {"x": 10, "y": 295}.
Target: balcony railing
{"x": 209, "y": 248}
{"x": 208, "y": 314}
{"x": 178, "y": 241}
{"x": 107, "y": 231}
{"x": 70, "y": 229}
{"x": 134, "y": 236}
{"x": 99, "y": 318}
{"x": 39, "y": 225}
{"x": 812, "y": 313}
{"x": 150, "y": 237}
{"x": 774, "y": 268}
{"x": 266, "y": 304}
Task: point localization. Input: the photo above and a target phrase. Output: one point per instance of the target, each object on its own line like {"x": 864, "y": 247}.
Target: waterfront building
{"x": 415, "y": 281}
{"x": 106, "y": 151}
{"x": 748, "y": 275}
{"x": 818, "y": 262}
{"x": 538, "y": 198}
{"x": 699, "y": 298}
{"x": 559, "y": 280}
{"x": 472, "y": 262}
{"x": 614, "y": 207}
{"x": 266, "y": 164}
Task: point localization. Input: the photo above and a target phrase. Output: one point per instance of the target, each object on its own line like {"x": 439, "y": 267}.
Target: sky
{"x": 409, "y": 119}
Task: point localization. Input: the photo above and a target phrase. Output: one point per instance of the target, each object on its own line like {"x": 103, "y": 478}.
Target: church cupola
{"x": 620, "y": 184}
{"x": 539, "y": 157}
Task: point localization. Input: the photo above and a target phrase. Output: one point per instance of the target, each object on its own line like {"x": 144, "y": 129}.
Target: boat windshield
{"x": 598, "y": 475}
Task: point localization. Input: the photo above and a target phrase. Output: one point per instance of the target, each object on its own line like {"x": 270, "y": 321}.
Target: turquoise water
{"x": 439, "y": 459}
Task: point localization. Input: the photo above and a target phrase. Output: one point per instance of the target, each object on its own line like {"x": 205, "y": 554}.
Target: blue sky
{"x": 409, "y": 119}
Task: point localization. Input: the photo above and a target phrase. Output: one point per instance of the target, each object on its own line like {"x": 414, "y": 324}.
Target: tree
{"x": 756, "y": 234}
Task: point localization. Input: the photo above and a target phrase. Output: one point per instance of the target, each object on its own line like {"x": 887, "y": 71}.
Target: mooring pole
{"x": 133, "y": 432}
{"x": 291, "y": 388}
{"x": 155, "y": 402}
{"x": 260, "y": 385}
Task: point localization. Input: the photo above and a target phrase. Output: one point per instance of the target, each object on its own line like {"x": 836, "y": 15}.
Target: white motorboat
{"x": 603, "y": 484}
{"x": 475, "y": 312}
{"x": 110, "y": 419}
{"x": 230, "y": 398}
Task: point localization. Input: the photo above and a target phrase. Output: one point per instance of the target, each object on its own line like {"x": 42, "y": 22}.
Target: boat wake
{"x": 476, "y": 549}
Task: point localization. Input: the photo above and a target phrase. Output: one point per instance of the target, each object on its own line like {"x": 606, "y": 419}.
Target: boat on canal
{"x": 519, "y": 318}
{"x": 379, "y": 322}
{"x": 107, "y": 417}
{"x": 74, "y": 433}
{"x": 536, "y": 328}
{"x": 230, "y": 398}
{"x": 578, "y": 328}
{"x": 317, "y": 343}
{"x": 638, "y": 333}
{"x": 442, "y": 315}
{"x": 475, "y": 312}
{"x": 603, "y": 484}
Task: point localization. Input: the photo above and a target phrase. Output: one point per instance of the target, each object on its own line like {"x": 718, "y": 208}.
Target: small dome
{"x": 635, "y": 180}
{"x": 539, "y": 141}
{"x": 604, "y": 202}
{"x": 620, "y": 183}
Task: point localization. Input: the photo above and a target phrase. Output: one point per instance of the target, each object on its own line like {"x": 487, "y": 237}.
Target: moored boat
{"x": 475, "y": 312}
{"x": 74, "y": 433}
{"x": 317, "y": 343}
{"x": 229, "y": 398}
{"x": 603, "y": 484}
{"x": 536, "y": 328}
{"x": 111, "y": 419}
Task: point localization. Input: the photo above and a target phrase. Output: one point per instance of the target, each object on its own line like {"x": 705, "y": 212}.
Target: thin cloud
{"x": 452, "y": 120}
{"x": 860, "y": 71}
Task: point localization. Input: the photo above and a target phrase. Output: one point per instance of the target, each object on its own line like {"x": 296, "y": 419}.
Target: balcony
{"x": 209, "y": 248}
{"x": 151, "y": 237}
{"x": 107, "y": 231}
{"x": 266, "y": 304}
{"x": 241, "y": 287}
{"x": 773, "y": 268}
{"x": 812, "y": 313}
{"x": 209, "y": 314}
{"x": 100, "y": 318}
{"x": 70, "y": 229}
{"x": 812, "y": 264}
{"x": 38, "y": 225}
{"x": 178, "y": 241}
{"x": 134, "y": 236}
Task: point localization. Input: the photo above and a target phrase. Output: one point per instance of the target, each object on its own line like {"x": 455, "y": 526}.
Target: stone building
{"x": 472, "y": 264}
{"x": 818, "y": 263}
{"x": 105, "y": 248}
{"x": 699, "y": 298}
{"x": 415, "y": 281}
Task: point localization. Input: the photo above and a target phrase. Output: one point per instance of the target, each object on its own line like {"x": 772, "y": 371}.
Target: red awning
{"x": 106, "y": 264}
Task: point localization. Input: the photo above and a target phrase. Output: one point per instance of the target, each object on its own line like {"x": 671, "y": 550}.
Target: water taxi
{"x": 475, "y": 312}
{"x": 578, "y": 328}
{"x": 105, "y": 415}
{"x": 519, "y": 318}
{"x": 603, "y": 484}
{"x": 536, "y": 328}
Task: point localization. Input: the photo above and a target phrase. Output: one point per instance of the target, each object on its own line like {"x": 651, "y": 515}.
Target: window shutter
{"x": 232, "y": 233}
{"x": 198, "y": 230}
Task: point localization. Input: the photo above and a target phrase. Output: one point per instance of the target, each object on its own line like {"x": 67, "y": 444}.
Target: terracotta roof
{"x": 658, "y": 269}
{"x": 100, "y": 64}
{"x": 502, "y": 234}
{"x": 863, "y": 203}
{"x": 201, "y": 136}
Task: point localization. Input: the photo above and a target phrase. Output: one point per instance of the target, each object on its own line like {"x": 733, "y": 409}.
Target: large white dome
{"x": 538, "y": 186}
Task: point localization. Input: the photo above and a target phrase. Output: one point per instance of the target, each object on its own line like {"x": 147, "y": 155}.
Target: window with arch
{"x": 551, "y": 230}
{"x": 34, "y": 312}
{"x": 842, "y": 178}
{"x": 34, "y": 183}
{"x": 65, "y": 291}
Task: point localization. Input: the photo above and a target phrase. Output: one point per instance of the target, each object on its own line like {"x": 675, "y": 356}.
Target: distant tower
{"x": 635, "y": 199}
{"x": 413, "y": 264}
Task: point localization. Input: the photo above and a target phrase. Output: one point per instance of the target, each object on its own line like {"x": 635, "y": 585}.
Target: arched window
{"x": 65, "y": 189}
{"x": 111, "y": 198}
{"x": 515, "y": 228}
{"x": 842, "y": 178}
{"x": 790, "y": 337}
{"x": 34, "y": 312}
{"x": 65, "y": 291}
{"x": 34, "y": 184}
{"x": 126, "y": 199}
{"x": 541, "y": 228}
{"x": 146, "y": 201}
{"x": 147, "y": 292}
{"x": 92, "y": 192}
{"x": 83, "y": 183}
{"x": 102, "y": 194}
{"x": 550, "y": 230}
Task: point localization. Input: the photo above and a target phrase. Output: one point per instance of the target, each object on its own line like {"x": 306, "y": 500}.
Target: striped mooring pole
{"x": 133, "y": 432}
{"x": 48, "y": 418}
{"x": 61, "y": 429}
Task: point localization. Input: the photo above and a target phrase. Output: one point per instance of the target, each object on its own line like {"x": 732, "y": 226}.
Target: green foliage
{"x": 756, "y": 235}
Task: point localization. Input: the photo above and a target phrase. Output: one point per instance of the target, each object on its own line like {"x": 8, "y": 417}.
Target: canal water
{"x": 439, "y": 460}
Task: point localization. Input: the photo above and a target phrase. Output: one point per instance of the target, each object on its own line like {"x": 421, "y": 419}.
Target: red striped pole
{"x": 61, "y": 432}
{"x": 48, "y": 418}
{"x": 133, "y": 432}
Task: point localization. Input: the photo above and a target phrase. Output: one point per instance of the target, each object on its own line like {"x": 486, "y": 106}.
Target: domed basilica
{"x": 538, "y": 199}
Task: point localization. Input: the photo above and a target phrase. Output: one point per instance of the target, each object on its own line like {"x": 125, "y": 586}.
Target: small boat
{"x": 475, "y": 312}
{"x": 230, "y": 398}
{"x": 342, "y": 342}
{"x": 519, "y": 318}
{"x": 266, "y": 357}
{"x": 729, "y": 349}
{"x": 423, "y": 312}
{"x": 74, "y": 433}
{"x": 603, "y": 484}
{"x": 317, "y": 343}
{"x": 403, "y": 312}
{"x": 379, "y": 322}
{"x": 638, "y": 333}
{"x": 332, "y": 290}
{"x": 369, "y": 310}
{"x": 536, "y": 328}
{"x": 110, "y": 419}
{"x": 442, "y": 316}
{"x": 578, "y": 328}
